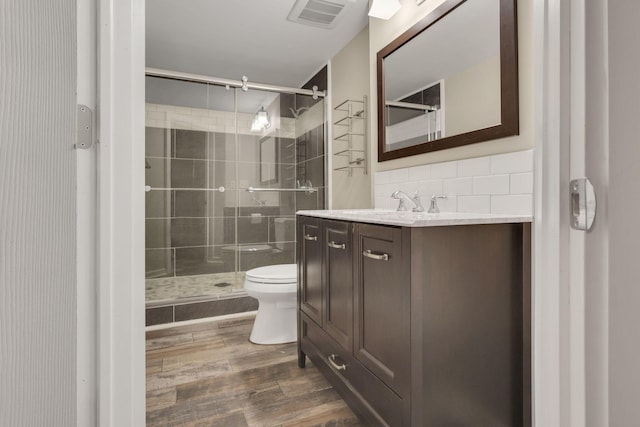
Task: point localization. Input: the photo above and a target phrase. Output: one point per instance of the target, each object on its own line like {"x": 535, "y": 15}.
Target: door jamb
{"x": 121, "y": 118}
{"x": 86, "y": 240}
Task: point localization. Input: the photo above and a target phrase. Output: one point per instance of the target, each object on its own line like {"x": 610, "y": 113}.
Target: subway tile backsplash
{"x": 501, "y": 183}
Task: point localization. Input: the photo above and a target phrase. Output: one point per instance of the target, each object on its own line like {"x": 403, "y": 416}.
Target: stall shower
{"x": 226, "y": 169}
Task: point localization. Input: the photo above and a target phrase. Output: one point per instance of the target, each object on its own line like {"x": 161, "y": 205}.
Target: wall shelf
{"x": 351, "y": 143}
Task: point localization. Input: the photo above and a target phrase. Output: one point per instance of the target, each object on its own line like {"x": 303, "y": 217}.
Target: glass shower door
{"x": 190, "y": 157}
{"x": 226, "y": 171}
{"x": 266, "y": 165}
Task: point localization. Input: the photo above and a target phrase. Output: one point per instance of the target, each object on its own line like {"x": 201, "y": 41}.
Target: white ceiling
{"x": 232, "y": 38}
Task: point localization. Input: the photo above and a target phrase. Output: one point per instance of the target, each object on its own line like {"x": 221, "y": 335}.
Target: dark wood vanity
{"x": 419, "y": 326}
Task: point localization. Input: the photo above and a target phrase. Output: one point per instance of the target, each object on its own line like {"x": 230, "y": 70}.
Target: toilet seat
{"x": 281, "y": 274}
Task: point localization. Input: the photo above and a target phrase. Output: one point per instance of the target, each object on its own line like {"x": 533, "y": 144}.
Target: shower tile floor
{"x": 171, "y": 289}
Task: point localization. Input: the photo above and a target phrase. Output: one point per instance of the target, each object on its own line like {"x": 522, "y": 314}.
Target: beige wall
{"x": 350, "y": 80}
{"x": 382, "y": 32}
{"x": 472, "y": 98}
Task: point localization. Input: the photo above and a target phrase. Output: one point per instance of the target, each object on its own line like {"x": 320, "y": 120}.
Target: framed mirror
{"x": 268, "y": 160}
{"x": 450, "y": 80}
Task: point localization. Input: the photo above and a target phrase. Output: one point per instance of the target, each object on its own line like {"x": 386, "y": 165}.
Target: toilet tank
{"x": 285, "y": 229}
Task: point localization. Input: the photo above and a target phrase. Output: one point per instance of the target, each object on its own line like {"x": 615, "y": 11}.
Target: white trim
{"x": 546, "y": 301}
{"x": 121, "y": 366}
{"x": 86, "y": 245}
{"x": 328, "y": 140}
{"x": 576, "y": 165}
{"x": 559, "y": 258}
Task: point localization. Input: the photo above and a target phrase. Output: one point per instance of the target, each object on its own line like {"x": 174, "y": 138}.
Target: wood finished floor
{"x": 209, "y": 374}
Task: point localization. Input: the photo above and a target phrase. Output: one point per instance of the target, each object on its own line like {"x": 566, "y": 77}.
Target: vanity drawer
{"x": 368, "y": 388}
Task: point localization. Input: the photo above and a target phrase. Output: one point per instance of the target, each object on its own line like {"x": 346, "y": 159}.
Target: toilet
{"x": 275, "y": 287}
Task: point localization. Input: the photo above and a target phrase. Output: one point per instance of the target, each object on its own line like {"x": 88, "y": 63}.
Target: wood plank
{"x": 265, "y": 357}
{"x": 188, "y": 373}
{"x": 308, "y": 381}
{"x": 233, "y": 382}
{"x": 211, "y": 375}
{"x": 291, "y": 410}
{"x": 169, "y": 341}
{"x": 334, "y": 414}
{"x": 161, "y": 398}
{"x": 154, "y": 366}
{"x": 224, "y": 406}
{"x": 182, "y": 349}
{"x": 234, "y": 420}
{"x": 177, "y": 330}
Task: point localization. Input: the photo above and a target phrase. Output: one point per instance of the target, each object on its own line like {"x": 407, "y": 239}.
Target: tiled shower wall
{"x": 501, "y": 183}
{"x": 194, "y": 148}
{"x": 191, "y": 231}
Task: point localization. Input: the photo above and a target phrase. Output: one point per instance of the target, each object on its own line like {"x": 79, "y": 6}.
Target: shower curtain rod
{"x": 177, "y": 75}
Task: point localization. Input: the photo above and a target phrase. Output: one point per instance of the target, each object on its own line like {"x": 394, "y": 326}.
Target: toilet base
{"x": 275, "y": 323}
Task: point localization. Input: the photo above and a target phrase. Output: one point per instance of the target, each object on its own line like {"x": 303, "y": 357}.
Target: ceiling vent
{"x": 319, "y": 13}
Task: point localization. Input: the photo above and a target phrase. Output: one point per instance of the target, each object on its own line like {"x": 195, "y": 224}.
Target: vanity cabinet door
{"x": 382, "y": 329}
{"x": 310, "y": 247}
{"x": 338, "y": 314}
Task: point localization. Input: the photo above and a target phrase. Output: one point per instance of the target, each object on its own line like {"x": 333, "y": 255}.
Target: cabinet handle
{"x": 332, "y": 361}
{"x": 335, "y": 245}
{"x": 310, "y": 237}
{"x": 369, "y": 254}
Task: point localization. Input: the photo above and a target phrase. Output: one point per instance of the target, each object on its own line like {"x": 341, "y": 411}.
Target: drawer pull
{"x": 332, "y": 361}
{"x": 369, "y": 254}
{"x": 310, "y": 237}
{"x": 335, "y": 245}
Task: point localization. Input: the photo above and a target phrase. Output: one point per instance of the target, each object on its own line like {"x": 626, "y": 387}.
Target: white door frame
{"x": 559, "y": 259}
{"x": 547, "y": 246}
{"x": 86, "y": 214}
{"x": 121, "y": 116}
{"x": 121, "y": 119}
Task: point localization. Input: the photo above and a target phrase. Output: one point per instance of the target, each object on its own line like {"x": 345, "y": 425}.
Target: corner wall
{"x": 383, "y": 32}
{"x": 350, "y": 80}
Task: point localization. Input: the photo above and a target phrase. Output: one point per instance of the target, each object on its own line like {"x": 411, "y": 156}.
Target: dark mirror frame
{"x": 508, "y": 84}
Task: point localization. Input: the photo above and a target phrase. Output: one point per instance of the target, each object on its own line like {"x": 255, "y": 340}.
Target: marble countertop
{"x": 415, "y": 219}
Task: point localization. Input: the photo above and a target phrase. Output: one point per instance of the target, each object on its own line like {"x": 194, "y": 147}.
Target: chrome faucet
{"x": 417, "y": 204}
{"x": 433, "y": 206}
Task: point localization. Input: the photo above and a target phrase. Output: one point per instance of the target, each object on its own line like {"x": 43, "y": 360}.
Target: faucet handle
{"x": 418, "y": 204}
{"x": 433, "y": 206}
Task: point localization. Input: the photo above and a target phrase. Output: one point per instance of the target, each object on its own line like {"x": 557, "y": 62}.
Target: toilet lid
{"x": 280, "y": 273}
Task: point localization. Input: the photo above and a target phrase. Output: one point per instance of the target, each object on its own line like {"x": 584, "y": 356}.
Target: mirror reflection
{"x": 447, "y": 81}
